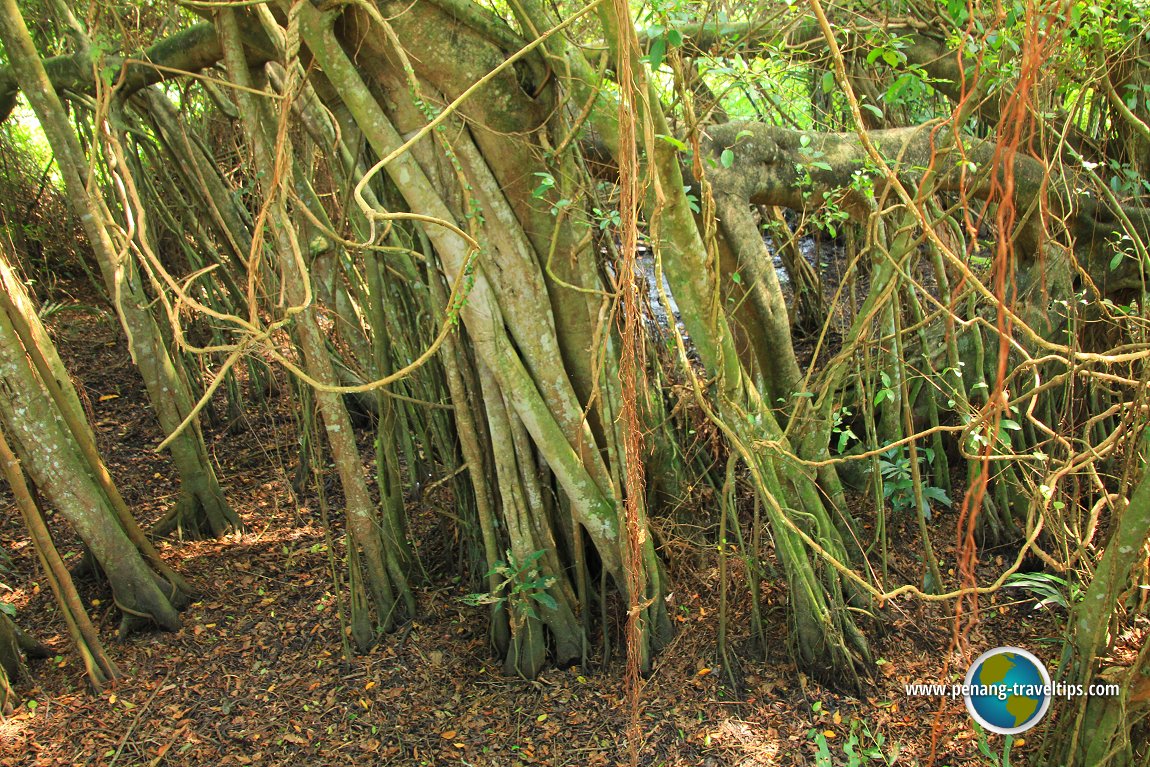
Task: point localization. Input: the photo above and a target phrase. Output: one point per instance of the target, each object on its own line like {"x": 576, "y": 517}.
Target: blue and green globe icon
{"x": 1007, "y": 690}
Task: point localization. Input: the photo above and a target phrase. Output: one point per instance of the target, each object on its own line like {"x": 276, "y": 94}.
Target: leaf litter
{"x": 256, "y": 676}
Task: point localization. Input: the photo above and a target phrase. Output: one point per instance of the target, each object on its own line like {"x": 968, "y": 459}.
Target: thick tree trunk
{"x": 63, "y": 475}
{"x": 15, "y": 645}
{"x": 98, "y": 665}
{"x": 40, "y": 369}
{"x": 1101, "y": 732}
{"x": 515, "y": 293}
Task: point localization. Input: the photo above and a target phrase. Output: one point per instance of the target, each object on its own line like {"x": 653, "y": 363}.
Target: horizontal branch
{"x": 189, "y": 50}
{"x": 776, "y": 166}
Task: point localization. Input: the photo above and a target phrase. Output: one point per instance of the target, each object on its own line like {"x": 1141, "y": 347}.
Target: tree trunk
{"x": 60, "y": 469}
{"x": 1102, "y": 730}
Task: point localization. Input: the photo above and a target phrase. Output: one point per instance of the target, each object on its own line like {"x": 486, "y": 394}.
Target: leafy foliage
{"x": 898, "y": 486}
{"x": 861, "y": 747}
{"x": 1047, "y": 588}
{"x": 522, "y": 586}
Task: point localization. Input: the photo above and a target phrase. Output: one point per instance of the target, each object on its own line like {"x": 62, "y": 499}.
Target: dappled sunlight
{"x": 753, "y": 744}
{"x": 15, "y": 726}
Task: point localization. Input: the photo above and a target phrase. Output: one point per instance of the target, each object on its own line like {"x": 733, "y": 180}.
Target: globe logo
{"x": 1007, "y": 690}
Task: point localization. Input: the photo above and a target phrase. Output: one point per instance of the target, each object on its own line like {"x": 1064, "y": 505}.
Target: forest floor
{"x": 257, "y": 675}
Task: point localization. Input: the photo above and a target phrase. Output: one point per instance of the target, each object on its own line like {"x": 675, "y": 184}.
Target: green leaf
{"x": 545, "y": 599}
{"x": 1114, "y": 262}
{"x": 658, "y": 52}
{"x": 937, "y": 494}
{"x": 828, "y": 81}
{"x": 546, "y": 184}
{"x": 672, "y": 141}
{"x": 958, "y": 11}
{"x": 873, "y": 110}
{"x": 845, "y": 437}
{"x": 475, "y": 600}
{"x": 532, "y": 558}
{"x": 823, "y": 757}
{"x": 727, "y": 158}
{"x": 674, "y": 38}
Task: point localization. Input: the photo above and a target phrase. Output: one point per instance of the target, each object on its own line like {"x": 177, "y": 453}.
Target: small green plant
{"x": 898, "y": 486}
{"x": 983, "y": 436}
{"x": 1126, "y": 182}
{"x": 841, "y": 431}
{"x": 50, "y": 309}
{"x": 692, "y": 200}
{"x": 546, "y": 185}
{"x": 993, "y": 759}
{"x": 813, "y": 159}
{"x": 886, "y": 391}
{"x": 607, "y": 219}
{"x": 521, "y": 587}
{"x": 869, "y": 745}
{"x": 861, "y": 747}
{"x": 1047, "y": 588}
{"x": 829, "y": 216}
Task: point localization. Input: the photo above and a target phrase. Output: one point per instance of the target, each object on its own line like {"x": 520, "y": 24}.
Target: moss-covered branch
{"x": 189, "y": 50}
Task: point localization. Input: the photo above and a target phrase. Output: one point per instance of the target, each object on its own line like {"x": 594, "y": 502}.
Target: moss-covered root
{"x": 15, "y": 646}
{"x": 198, "y": 514}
